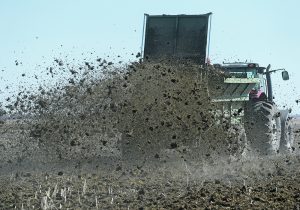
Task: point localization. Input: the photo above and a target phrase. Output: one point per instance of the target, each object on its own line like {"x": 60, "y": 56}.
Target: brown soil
{"x": 271, "y": 183}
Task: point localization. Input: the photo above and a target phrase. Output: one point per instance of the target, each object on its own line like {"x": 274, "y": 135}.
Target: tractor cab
{"x": 255, "y": 79}
{"x": 241, "y": 70}
{"x": 243, "y": 81}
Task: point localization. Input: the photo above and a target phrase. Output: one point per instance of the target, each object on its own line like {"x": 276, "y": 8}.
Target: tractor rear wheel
{"x": 287, "y": 133}
{"x": 263, "y": 127}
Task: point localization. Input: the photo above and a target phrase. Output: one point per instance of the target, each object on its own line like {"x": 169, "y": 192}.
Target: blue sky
{"x": 34, "y": 32}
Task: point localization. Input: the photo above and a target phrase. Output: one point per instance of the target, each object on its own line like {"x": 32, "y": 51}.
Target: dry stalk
{"x": 96, "y": 202}
{"x": 112, "y": 200}
{"x": 63, "y": 194}
{"x": 79, "y": 200}
{"x": 84, "y": 187}
{"x": 44, "y": 203}
{"x": 55, "y": 191}
{"x": 110, "y": 191}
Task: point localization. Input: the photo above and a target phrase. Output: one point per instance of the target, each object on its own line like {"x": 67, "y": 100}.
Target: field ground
{"x": 110, "y": 183}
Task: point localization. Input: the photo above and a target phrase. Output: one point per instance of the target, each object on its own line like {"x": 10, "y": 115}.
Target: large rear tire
{"x": 287, "y": 133}
{"x": 263, "y": 127}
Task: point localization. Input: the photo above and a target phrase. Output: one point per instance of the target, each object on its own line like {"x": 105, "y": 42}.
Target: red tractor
{"x": 247, "y": 90}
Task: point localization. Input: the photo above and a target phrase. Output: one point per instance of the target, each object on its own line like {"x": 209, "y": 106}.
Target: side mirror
{"x": 285, "y": 75}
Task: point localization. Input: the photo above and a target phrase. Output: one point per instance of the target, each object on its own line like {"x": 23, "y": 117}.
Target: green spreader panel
{"x": 236, "y": 89}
